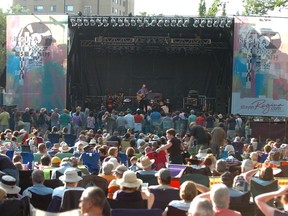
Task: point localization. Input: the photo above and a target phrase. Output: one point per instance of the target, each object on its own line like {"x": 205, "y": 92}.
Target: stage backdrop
{"x": 36, "y": 61}
{"x": 260, "y": 67}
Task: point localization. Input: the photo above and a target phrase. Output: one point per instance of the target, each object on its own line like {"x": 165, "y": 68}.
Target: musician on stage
{"x": 142, "y": 98}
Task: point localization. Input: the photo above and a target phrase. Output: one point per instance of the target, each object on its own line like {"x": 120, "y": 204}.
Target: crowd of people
{"x": 133, "y": 149}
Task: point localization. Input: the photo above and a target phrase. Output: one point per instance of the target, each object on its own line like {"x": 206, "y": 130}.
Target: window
{"x": 116, "y": 11}
{"x": 69, "y": 8}
{"x": 113, "y": 10}
{"x": 38, "y": 8}
{"x": 23, "y": 8}
{"x": 53, "y": 8}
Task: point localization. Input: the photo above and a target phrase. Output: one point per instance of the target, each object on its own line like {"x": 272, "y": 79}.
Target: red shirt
{"x": 226, "y": 212}
{"x": 138, "y": 118}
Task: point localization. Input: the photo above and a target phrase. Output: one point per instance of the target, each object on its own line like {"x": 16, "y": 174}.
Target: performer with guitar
{"x": 142, "y": 98}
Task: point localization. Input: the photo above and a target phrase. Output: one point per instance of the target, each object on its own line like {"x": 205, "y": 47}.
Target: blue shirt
{"x": 37, "y": 189}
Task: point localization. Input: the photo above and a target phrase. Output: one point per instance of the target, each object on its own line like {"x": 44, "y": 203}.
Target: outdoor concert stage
{"x": 112, "y": 56}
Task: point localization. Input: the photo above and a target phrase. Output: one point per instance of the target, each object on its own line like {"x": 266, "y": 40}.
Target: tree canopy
{"x": 262, "y": 7}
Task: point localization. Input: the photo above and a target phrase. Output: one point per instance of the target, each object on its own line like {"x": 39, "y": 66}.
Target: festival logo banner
{"x": 36, "y": 61}
{"x": 260, "y": 69}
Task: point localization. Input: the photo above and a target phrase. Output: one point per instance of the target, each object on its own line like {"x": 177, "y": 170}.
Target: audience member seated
{"x": 188, "y": 191}
{"x": 70, "y": 180}
{"x": 38, "y": 193}
{"x": 107, "y": 173}
{"x": 81, "y": 140}
{"x": 265, "y": 176}
{"x": 8, "y": 167}
{"x": 200, "y": 206}
{"x": 262, "y": 199}
{"x": 163, "y": 193}
{"x": 65, "y": 164}
{"x": 18, "y": 162}
{"x": 64, "y": 151}
{"x": 129, "y": 190}
{"x": 274, "y": 158}
{"x": 146, "y": 165}
{"x": 221, "y": 167}
{"x": 54, "y": 163}
{"x": 112, "y": 156}
{"x": 227, "y": 179}
{"x": 8, "y": 183}
{"x": 41, "y": 151}
{"x": 113, "y": 186}
{"x": 54, "y": 150}
{"x": 133, "y": 162}
{"x": 93, "y": 202}
{"x": 239, "y": 180}
{"x": 45, "y": 162}
{"x": 220, "y": 198}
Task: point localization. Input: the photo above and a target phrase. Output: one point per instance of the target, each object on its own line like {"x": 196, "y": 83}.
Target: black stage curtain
{"x": 171, "y": 75}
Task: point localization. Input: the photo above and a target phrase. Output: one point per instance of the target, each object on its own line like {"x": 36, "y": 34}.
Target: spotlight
{"x": 186, "y": 23}
{"x": 120, "y": 22}
{"x": 146, "y": 22}
{"x": 153, "y": 23}
{"x": 196, "y": 23}
{"x": 98, "y": 22}
{"x": 73, "y": 22}
{"x": 133, "y": 22}
{"x": 139, "y": 22}
{"x": 216, "y": 23}
{"x": 105, "y": 22}
{"x": 179, "y": 23}
{"x": 229, "y": 23}
{"x": 126, "y": 22}
{"x": 173, "y": 22}
{"x": 222, "y": 23}
{"x": 86, "y": 22}
{"x": 113, "y": 22}
{"x": 202, "y": 24}
{"x": 166, "y": 23}
{"x": 209, "y": 23}
{"x": 160, "y": 23}
{"x": 79, "y": 22}
{"x": 92, "y": 22}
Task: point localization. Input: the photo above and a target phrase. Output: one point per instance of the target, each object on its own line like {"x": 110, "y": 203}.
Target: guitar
{"x": 139, "y": 97}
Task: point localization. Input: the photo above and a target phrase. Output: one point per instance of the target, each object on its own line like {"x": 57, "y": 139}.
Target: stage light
{"x": 126, "y": 22}
{"x": 216, "y": 23}
{"x": 98, "y": 22}
{"x": 105, "y": 22}
{"x": 73, "y": 22}
{"x": 133, "y": 22}
{"x": 173, "y": 22}
{"x": 186, "y": 23}
{"x": 86, "y": 22}
{"x": 202, "y": 24}
{"x": 180, "y": 23}
{"x": 196, "y": 23}
{"x": 209, "y": 23}
{"x": 113, "y": 22}
{"x": 222, "y": 23}
{"x": 166, "y": 23}
{"x": 120, "y": 22}
{"x": 92, "y": 22}
{"x": 139, "y": 22}
{"x": 146, "y": 22}
{"x": 79, "y": 22}
{"x": 229, "y": 23}
{"x": 160, "y": 23}
{"x": 153, "y": 23}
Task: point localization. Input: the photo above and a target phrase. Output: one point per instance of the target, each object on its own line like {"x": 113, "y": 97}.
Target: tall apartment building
{"x": 87, "y": 7}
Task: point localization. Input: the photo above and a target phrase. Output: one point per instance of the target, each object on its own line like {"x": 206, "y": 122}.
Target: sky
{"x": 181, "y": 7}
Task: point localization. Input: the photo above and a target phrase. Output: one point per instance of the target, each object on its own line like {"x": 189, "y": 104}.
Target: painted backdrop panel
{"x": 36, "y": 61}
{"x": 260, "y": 66}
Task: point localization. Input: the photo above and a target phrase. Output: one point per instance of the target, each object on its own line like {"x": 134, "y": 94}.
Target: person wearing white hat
{"x": 70, "y": 180}
{"x": 8, "y": 183}
{"x": 129, "y": 189}
{"x": 64, "y": 151}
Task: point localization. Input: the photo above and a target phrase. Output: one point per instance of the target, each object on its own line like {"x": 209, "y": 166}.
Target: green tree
{"x": 262, "y": 7}
{"x": 202, "y": 8}
{"x": 213, "y": 10}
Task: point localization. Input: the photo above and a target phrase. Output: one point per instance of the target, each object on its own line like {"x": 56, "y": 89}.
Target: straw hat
{"x": 8, "y": 183}
{"x": 145, "y": 162}
{"x": 56, "y": 146}
{"x": 129, "y": 180}
{"x": 70, "y": 175}
{"x": 64, "y": 148}
{"x": 92, "y": 142}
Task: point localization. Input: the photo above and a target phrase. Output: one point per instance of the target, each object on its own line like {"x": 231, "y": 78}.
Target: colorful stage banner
{"x": 260, "y": 69}
{"x": 36, "y": 61}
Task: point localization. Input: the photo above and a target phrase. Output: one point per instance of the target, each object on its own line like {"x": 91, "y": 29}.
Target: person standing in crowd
{"x": 173, "y": 146}
{"x": 4, "y": 119}
{"x": 65, "y": 120}
{"x": 142, "y": 98}
{"x": 55, "y": 118}
{"x": 27, "y": 119}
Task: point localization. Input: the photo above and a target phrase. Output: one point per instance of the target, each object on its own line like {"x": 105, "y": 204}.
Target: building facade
{"x": 72, "y": 7}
